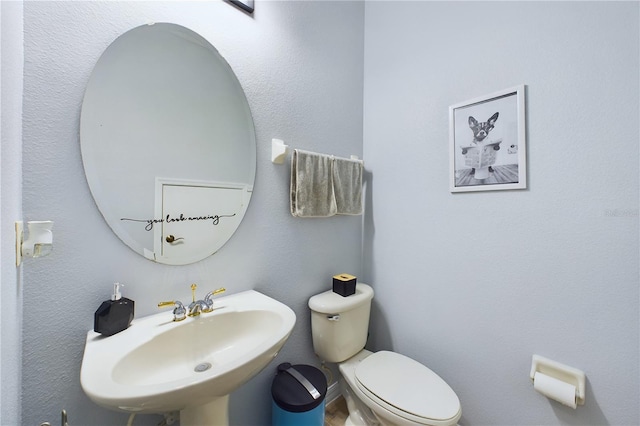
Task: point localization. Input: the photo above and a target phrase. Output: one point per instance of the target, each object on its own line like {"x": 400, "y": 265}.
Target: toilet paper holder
{"x": 562, "y": 372}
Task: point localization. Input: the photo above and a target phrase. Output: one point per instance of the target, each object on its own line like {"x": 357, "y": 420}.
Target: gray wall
{"x": 304, "y": 85}
{"x": 11, "y": 208}
{"x": 473, "y": 284}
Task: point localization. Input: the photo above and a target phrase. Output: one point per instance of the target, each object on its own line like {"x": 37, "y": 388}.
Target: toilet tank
{"x": 339, "y": 325}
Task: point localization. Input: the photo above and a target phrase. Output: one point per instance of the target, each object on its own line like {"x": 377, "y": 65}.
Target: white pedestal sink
{"x": 158, "y": 365}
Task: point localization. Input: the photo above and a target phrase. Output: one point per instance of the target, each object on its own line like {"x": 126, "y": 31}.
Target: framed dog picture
{"x": 487, "y": 142}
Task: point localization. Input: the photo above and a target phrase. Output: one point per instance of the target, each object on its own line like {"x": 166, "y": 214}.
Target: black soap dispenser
{"x": 113, "y": 315}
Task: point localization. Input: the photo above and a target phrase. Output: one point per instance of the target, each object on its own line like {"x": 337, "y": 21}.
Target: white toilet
{"x": 383, "y": 387}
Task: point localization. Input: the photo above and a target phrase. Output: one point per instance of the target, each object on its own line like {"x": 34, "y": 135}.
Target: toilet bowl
{"x": 397, "y": 390}
{"x": 382, "y": 387}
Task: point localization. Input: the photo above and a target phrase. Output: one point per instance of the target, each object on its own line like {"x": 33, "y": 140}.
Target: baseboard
{"x": 333, "y": 393}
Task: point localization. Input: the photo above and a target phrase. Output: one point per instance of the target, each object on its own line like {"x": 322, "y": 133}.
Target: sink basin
{"x": 158, "y": 365}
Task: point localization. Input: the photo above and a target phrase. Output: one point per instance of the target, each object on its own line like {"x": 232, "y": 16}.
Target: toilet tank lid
{"x": 333, "y": 303}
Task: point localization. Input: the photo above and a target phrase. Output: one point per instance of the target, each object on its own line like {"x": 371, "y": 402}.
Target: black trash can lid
{"x": 298, "y": 388}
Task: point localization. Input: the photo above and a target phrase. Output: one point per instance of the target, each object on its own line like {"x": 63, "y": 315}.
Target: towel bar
{"x": 279, "y": 152}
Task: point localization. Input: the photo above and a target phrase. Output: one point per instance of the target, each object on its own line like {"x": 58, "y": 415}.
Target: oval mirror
{"x": 168, "y": 143}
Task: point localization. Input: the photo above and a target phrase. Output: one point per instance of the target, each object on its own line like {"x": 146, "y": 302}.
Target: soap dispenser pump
{"x": 114, "y": 315}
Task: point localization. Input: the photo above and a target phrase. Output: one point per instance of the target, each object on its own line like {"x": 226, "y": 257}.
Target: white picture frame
{"x": 487, "y": 141}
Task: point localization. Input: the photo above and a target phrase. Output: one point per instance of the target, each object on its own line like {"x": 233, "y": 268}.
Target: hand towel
{"x": 347, "y": 185}
{"x": 312, "y": 193}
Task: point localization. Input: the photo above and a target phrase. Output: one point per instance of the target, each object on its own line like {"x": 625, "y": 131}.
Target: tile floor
{"x": 336, "y": 413}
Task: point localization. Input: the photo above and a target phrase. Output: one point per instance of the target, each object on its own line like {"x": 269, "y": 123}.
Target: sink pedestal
{"x": 215, "y": 413}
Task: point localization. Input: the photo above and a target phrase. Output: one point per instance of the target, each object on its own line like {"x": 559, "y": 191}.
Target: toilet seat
{"x": 407, "y": 389}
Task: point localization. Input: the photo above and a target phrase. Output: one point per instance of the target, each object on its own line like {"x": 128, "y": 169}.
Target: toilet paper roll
{"x": 555, "y": 389}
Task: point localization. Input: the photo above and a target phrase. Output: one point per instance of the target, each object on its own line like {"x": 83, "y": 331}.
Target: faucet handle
{"x": 179, "y": 312}
{"x": 208, "y": 299}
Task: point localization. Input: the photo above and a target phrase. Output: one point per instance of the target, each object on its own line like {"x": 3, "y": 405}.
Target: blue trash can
{"x": 298, "y": 393}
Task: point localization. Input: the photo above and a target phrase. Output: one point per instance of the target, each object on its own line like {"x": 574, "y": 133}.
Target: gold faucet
{"x": 195, "y": 307}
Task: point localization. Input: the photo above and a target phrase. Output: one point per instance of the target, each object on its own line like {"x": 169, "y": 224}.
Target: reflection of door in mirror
{"x": 196, "y": 218}
{"x": 161, "y": 101}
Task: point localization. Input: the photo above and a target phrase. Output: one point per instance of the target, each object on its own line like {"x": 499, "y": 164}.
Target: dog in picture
{"x": 481, "y": 131}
